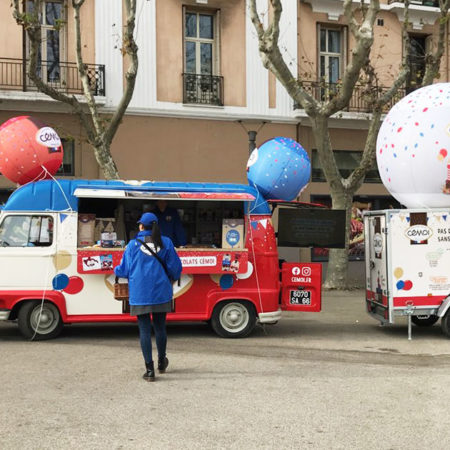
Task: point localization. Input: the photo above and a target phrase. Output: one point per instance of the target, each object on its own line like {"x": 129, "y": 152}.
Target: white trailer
{"x": 408, "y": 265}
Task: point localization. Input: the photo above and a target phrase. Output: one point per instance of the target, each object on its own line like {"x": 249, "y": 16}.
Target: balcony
{"x": 421, "y": 12}
{"x": 358, "y": 103}
{"x": 202, "y": 89}
{"x": 62, "y": 76}
{"x": 432, "y": 3}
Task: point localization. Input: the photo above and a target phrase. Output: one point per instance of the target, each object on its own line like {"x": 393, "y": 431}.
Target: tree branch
{"x": 99, "y": 134}
{"x": 405, "y": 69}
{"x": 379, "y": 102}
{"x": 433, "y": 60}
{"x": 273, "y": 60}
{"x": 356, "y": 178}
{"x": 99, "y": 129}
{"x": 363, "y": 34}
{"x": 130, "y": 49}
{"x": 32, "y": 24}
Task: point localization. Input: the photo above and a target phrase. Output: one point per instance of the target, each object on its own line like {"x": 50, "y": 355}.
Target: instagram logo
{"x": 306, "y": 271}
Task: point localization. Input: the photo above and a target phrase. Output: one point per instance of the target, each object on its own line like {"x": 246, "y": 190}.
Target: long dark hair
{"x": 156, "y": 235}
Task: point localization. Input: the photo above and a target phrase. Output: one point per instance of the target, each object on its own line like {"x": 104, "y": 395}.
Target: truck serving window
{"x": 26, "y": 231}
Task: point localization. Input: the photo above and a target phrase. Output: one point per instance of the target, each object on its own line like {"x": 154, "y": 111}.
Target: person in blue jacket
{"x": 170, "y": 223}
{"x": 150, "y": 289}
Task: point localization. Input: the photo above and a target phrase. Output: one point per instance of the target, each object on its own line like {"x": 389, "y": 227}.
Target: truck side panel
{"x": 420, "y": 258}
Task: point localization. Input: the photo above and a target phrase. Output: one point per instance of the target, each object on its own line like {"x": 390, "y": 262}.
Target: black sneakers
{"x": 149, "y": 374}
{"x": 162, "y": 364}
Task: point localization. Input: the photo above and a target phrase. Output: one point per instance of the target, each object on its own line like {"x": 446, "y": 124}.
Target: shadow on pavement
{"x": 303, "y": 329}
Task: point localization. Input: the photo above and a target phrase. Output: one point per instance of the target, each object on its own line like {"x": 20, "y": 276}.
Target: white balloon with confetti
{"x": 413, "y": 148}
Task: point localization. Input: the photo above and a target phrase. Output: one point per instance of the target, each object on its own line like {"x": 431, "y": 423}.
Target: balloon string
{"x": 44, "y": 292}
{"x": 37, "y": 178}
{"x": 70, "y": 209}
{"x": 258, "y": 287}
{"x": 255, "y": 203}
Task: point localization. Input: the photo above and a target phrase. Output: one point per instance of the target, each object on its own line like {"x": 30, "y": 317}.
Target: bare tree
{"x": 360, "y": 18}
{"x": 433, "y": 59}
{"x": 100, "y": 130}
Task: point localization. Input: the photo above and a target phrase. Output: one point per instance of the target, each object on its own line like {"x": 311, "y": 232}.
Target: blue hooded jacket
{"x": 147, "y": 281}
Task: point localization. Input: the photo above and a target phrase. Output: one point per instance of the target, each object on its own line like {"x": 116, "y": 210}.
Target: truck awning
{"x": 155, "y": 195}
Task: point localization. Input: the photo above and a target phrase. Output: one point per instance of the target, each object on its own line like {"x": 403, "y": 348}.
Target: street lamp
{"x": 251, "y": 135}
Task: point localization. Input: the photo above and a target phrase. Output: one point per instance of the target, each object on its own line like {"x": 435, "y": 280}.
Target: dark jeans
{"x": 145, "y": 334}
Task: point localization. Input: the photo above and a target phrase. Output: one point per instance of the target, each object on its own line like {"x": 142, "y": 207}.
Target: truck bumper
{"x": 269, "y": 317}
{"x": 4, "y": 314}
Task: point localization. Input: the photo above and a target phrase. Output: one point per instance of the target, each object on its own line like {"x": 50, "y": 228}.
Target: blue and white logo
{"x": 233, "y": 237}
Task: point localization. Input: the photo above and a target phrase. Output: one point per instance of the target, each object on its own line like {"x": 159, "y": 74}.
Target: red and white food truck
{"x": 407, "y": 265}
{"x": 60, "y": 239}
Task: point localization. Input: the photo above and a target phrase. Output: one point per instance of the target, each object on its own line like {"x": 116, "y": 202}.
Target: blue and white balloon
{"x": 279, "y": 169}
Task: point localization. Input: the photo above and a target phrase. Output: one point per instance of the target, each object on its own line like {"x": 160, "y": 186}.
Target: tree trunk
{"x": 106, "y": 162}
{"x": 336, "y": 277}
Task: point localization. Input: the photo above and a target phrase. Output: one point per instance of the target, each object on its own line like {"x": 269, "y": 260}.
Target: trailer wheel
{"x": 39, "y": 325}
{"x": 424, "y": 320}
{"x": 233, "y": 319}
{"x": 445, "y": 323}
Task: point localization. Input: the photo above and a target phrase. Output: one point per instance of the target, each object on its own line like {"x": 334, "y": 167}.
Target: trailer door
{"x": 301, "y": 287}
{"x": 376, "y": 266}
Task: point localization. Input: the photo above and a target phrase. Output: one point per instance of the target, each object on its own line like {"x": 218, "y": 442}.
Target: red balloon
{"x": 75, "y": 285}
{"x": 29, "y": 150}
{"x": 408, "y": 285}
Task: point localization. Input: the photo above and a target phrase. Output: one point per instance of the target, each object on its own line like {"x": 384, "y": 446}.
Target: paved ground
{"x": 329, "y": 380}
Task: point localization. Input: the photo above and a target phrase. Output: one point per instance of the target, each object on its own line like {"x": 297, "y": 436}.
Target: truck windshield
{"x": 26, "y": 231}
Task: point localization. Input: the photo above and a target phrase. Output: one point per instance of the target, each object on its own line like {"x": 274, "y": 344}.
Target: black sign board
{"x": 311, "y": 227}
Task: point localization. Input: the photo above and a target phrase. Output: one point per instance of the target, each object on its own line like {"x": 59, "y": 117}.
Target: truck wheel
{"x": 233, "y": 319}
{"x": 42, "y": 325}
{"x": 424, "y": 320}
{"x": 445, "y": 323}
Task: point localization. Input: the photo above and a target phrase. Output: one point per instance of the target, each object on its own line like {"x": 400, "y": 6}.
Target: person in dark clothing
{"x": 170, "y": 223}
{"x": 150, "y": 289}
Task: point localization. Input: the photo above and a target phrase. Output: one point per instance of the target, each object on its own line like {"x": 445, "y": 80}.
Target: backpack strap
{"x": 156, "y": 256}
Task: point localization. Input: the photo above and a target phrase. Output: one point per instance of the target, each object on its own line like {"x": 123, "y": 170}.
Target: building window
{"x": 332, "y": 53}
{"x": 202, "y": 83}
{"x": 347, "y": 161}
{"x": 4, "y": 195}
{"x": 200, "y": 52}
{"x": 67, "y": 166}
{"x": 419, "y": 45}
{"x": 52, "y": 48}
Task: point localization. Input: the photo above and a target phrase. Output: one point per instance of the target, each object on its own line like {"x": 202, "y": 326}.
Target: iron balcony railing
{"x": 433, "y": 3}
{"x": 62, "y": 76}
{"x": 359, "y": 102}
{"x": 202, "y": 89}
